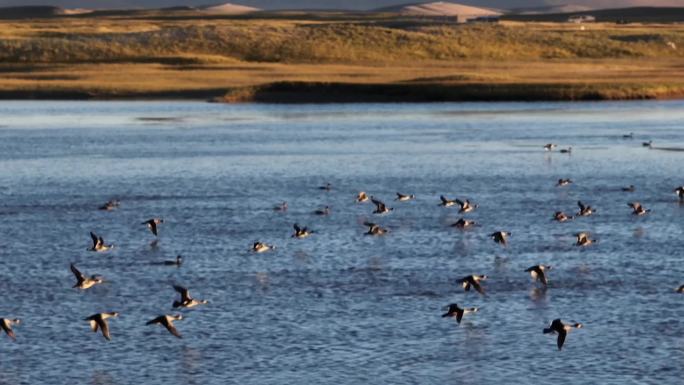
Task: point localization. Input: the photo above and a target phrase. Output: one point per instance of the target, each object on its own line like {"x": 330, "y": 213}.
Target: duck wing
{"x": 79, "y": 276}
{"x": 184, "y": 292}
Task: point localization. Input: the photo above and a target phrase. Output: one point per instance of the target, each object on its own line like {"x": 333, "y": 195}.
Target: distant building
{"x": 581, "y": 19}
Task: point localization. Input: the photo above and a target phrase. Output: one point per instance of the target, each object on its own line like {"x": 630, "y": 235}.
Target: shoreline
{"x": 297, "y": 92}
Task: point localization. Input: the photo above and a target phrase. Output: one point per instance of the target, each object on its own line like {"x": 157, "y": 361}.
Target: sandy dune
{"x": 228, "y": 9}
{"x": 441, "y": 8}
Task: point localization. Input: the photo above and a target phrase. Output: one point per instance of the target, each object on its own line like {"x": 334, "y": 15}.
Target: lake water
{"x": 340, "y": 307}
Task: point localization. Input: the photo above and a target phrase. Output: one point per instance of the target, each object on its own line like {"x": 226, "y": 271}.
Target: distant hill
{"x": 439, "y": 8}
{"x": 228, "y": 9}
{"x": 30, "y": 12}
{"x": 630, "y": 15}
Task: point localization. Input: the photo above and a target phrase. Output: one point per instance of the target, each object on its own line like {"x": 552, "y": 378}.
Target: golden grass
{"x": 252, "y": 58}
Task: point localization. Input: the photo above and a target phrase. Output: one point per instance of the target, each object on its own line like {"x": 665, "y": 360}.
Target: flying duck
{"x": 472, "y": 281}
{"x": 447, "y": 202}
{"x": 463, "y": 223}
{"x": 374, "y": 229}
{"x": 583, "y": 239}
{"x": 585, "y": 210}
{"x": 100, "y": 320}
{"x": 186, "y": 300}
{"x": 500, "y": 237}
{"x": 361, "y": 197}
{"x": 301, "y": 232}
{"x": 679, "y": 191}
{"x": 380, "y": 207}
{"x": 638, "y": 209}
{"x": 6, "y": 326}
{"x": 282, "y": 207}
{"x": 561, "y": 216}
{"x": 261, "y": 247}
{"x": 83, "y": 282}
{"x": 167, "y": 322}
{"x": 538, "y": 273}
{"x": 550, "y": 146}
{"x": 563, "y": 182}
{"x": 466, "y": 206}
{"x": 325, "y": 187}
{"x": 99, "y": 244}
{"x": 324, "y": 211}
{"x": 403, "y": 197}
{"x": 152, "y": 224}
{"x": 456, "y": 312}
{"x": 557, "y": 326}
{"x": 680, "y": 289}
{"x": 110, "y": 205}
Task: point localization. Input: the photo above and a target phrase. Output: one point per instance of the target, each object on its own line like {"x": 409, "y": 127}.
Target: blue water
{"x": 340, "y": 307}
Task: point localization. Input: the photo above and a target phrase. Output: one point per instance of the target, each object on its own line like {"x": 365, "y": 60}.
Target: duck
{"x": 561, "y": 216}
{"x": 628, "y": 136}
{"x": 83, "y": 282}
{"x": 563, "y": 182}
{"x": 177, "y": 262}
{"x": 98, "y": 243}
{"x": 261, "y": 247}
{"x": 583, "y": 239}
{"x": 638, "y": 209}
{"x": 454, "y": 311}
{"x": 152, "y": 224}
{"x": 585, "y": 210}
{"x": 550, "y": 146}
{"x": 557, "y": 326}
{"x": 99, "y": 320}
{"x": 301, "y": 232}
{"x": 380, "y": 207}
{"x": 566, "y": 150}
{"x": 648, "y": 144}
{"x": 167, "y": 322}
{"x": 281, "y": 207}
{"x": 404, "y": 197}
{"x": 680, "y": 289}
{"x": 374, "y": 229}
{"x": 446, "y": 202}
{"x": 324, "y": 211}
{"x": 629, "y": 188}
{"x": 538, "y": 273}
{"x": 679, "y": 191}
{"x": 472, "y": 281}
{"x": 466, "y": 206}
{"x": 110, "y": 205}
{"x": 6, "y": 326}
{"x": 361, "y": 197}
{"x": 463, "y": 223}
{"x": 186, "y": 300}
{"x": 325, "y": 187}
{"x": 500, "y": 237}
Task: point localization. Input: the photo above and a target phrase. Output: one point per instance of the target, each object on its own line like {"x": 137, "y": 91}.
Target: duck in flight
{"x": 98, "y": 243}
{"x": 557, "y": 326}
{"x": 561, "y": 216}
{"x": 583, "y": 239}
{"x": 374, "y": 229}
{"x": 380, "y": 207}
{"x": 472, "y": 281}
{"x": 680, "y": 289}
{"x": 301, "y": 232}
{"x": 550, "y": 146}
{"x": 463, "y": 223}
{"x": 500, "y": 237}
{"x": 679, "y": 191}
{"x": 638, "y": 209}
{"x": 446, "y": 202}
{"x": 186, "y": 300}
{"x": 6, "y": 326}
{"x": 404, "y": 197}
{"x": 261, "y": 247}
{"x": 361, "y": 197}
{"x": 99, "y": 320}
{"x": 152, "y": 224}
{"x": 466, "y": 206}
{"x": 538, "y": 273}
{"x": 282, "y": 207}
{"x": 324, "y": 211}
{"x": 563, "y": 182}
{"x": 454, "y": 311}
{"x": 83, "y": 282}
{"x": 167, "y": 322}
{"x": 585, "y": 210}
{"x": 110, "y": 205}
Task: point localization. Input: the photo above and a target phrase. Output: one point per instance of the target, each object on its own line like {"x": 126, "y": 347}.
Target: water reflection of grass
{"x": 281, "y": 59}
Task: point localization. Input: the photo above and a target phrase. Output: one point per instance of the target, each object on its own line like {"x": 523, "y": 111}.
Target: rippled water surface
{"x": 340, "y": 307}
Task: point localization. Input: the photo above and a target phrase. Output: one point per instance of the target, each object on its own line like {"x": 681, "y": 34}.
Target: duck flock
{"x": 539, "y": 273}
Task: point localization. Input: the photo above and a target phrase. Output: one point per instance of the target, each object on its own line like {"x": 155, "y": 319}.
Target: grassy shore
{"x": 300, "y": 58}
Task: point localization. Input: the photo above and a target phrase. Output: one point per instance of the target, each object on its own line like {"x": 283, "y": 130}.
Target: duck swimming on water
{"x": 110, "y": 205}
{"x": 282, "y": 207}
{"x": 557, "y": 326}
{"x": 563, "y": 182}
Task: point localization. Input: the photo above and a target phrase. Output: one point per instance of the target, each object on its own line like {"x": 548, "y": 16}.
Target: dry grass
{"x": 243, "y": 59}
